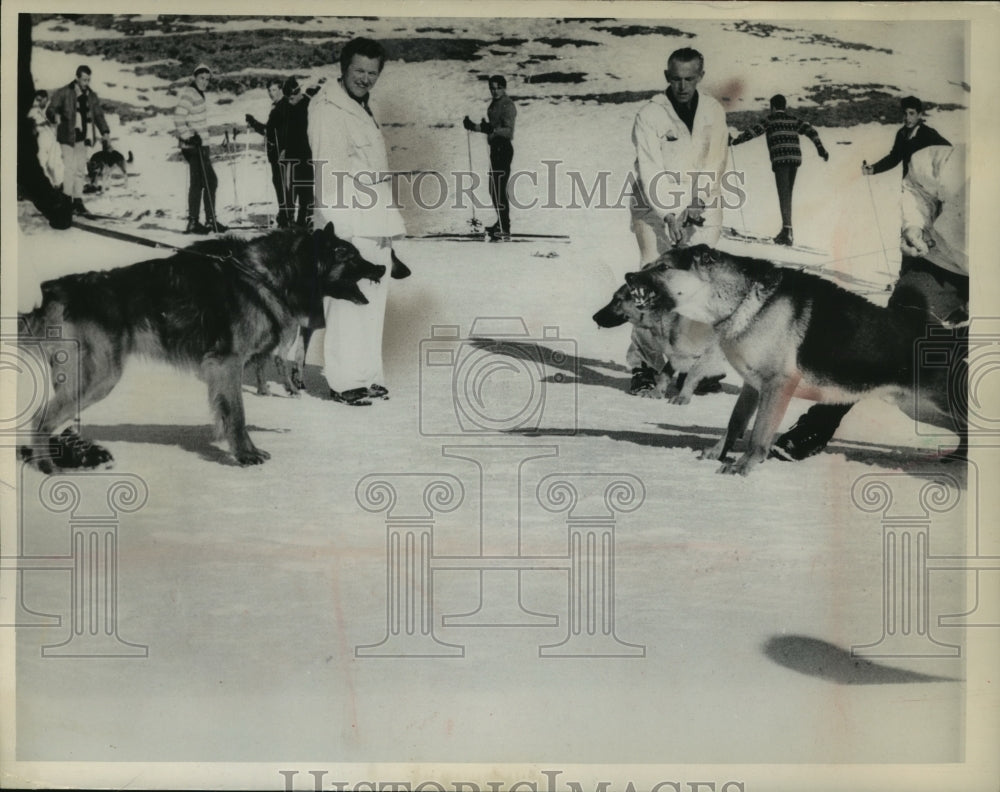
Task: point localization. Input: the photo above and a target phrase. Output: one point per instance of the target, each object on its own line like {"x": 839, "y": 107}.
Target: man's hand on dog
{"x": 913, "y": 242}
{"x": 679, "y": 226}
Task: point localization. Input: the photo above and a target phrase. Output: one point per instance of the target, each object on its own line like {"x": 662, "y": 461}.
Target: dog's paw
{"x": 69, "y": 451}
{"x": 715, "y": 452}
{"x": 741, "y": 466}
{"x": 648, "y": 393}
{"x": 98, "y": 457}
{"x": 252, "y": 456}
{"x": 680, "y": 398}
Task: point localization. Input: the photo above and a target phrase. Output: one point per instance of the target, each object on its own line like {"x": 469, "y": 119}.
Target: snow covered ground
{"x": 723, "y": 639}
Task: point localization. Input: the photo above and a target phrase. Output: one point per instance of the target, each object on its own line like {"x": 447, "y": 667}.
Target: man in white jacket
{"x": 354, "y": 192}
{"x": 681, "y": 147}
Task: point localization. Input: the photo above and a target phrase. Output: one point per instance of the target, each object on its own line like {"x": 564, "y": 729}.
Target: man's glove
{"x": 250, "y": 119}
{"x": 486, "y": 126}
{"x": 825, "y": 155}
{"x": 399, "y": 269}
{"x": 468, "y": 124}
{"x": 867, "y": 169}
{"x": 192, "y": 142}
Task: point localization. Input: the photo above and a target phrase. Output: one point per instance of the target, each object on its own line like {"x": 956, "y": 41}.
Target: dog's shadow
{"x": 697, "y": 438}
{"x": 581, "y": 370}
{"x": 694, "y": 438}
{"x": 816, "y": 658}
{"x": 197, "y": 440}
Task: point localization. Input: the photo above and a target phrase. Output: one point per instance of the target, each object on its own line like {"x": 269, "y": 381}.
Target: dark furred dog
{"x": 104, "y": 163}
{"x": 210, "y": 307}
{"x": 791, "y": 333}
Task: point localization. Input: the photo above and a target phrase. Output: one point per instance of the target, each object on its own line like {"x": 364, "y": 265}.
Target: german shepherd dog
{"x": 105, "y": 162}
{"x": 791, "y": 333}
{"x": 209, "y": 307}
{"x": 690, "y": 349}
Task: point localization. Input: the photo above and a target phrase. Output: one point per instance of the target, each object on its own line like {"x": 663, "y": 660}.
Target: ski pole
{"x": 209, "y": 202}
{"x": 878, "y": 226}
{"x": 232, "y": 164}
{"x": 743, "y": 221}
{"x": 473, "y": 222}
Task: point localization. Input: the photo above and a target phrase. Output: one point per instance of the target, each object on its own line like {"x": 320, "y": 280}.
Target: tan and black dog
{"x": 791, "y": 333}
{"x": 694, "y": 362}
{"x": 104, "y": 163}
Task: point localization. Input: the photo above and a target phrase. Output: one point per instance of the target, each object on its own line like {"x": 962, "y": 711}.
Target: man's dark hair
{"x": 41, "y": 92}
{"x": 911, "y": 103}
{"x": 366, "y": 48}
{"x": 498, "y": 79}
{"x": 686, "y": 55}
{"x": 85, "y": 69}
{"x": 778, "y": 102}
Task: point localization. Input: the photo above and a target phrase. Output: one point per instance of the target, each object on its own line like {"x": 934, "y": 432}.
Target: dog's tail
{"x": 129, "y": 158}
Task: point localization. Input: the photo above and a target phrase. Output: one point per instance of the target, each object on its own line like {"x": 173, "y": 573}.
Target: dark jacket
{"x": 501, "y": 114}
{"x": 62, "y": 109}
{"x": 270, "y": 130}
{"x": 295, "y": 135}
{"x": 783, "y": 132}
{"x": 907, "y": 143}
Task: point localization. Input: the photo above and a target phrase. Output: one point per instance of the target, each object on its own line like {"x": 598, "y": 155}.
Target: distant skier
{"x": 911, "y": 137}
{"x": 783, "y": 130}
{"x": 499, "y": 131}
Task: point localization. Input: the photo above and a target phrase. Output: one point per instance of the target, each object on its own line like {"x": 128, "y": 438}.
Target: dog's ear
{"x": 703, "y": 256}
{"x": 329, "y": 230}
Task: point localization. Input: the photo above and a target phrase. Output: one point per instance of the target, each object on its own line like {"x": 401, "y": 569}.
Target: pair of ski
{"x": 482, "y": 236}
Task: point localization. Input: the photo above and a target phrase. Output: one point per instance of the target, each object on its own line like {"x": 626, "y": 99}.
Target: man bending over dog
{"x": 933, "y": 275}
{"x": 681, "y": 147}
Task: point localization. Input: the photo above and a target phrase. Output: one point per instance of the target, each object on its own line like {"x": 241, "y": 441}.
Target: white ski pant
{"x": 352, "y": 347}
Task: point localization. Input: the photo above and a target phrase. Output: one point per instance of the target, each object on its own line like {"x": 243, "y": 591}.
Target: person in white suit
{"x": 681, "y": 148}
{"x": 354, "y": 192}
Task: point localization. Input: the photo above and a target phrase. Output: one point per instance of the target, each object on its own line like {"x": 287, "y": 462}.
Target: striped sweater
{"x": 191, "y": 114}
{"x": 783, "y": 132}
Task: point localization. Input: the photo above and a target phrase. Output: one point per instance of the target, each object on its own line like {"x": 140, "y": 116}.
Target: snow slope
{"x": 253, "y": 588}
